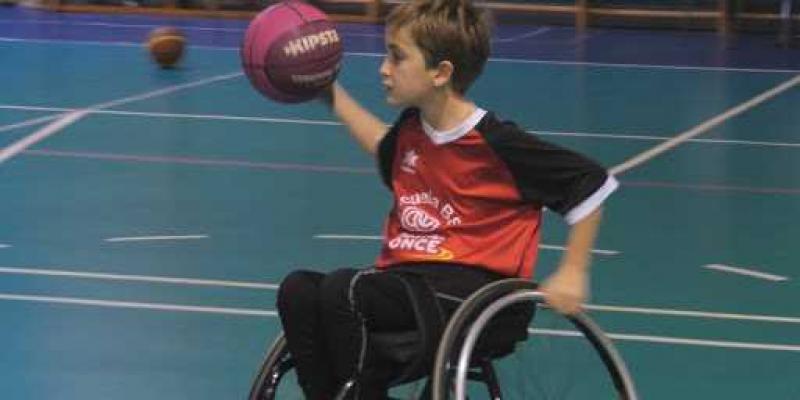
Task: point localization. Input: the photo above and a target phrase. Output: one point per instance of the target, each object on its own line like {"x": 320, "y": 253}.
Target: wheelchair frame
{"x": 454, "y": 363}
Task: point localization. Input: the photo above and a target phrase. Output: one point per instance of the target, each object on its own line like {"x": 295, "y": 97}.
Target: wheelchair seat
{"x": 405, "y": 350}
{"x": 412, "y": 351}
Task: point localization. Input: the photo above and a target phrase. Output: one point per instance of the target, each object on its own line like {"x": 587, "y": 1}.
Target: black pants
{"x": 325, "y": 318}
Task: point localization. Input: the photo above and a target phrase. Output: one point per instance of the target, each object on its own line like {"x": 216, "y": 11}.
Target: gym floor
{"x": 148, "y": 215}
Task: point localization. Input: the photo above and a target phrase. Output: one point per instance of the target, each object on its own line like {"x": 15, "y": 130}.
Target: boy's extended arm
{"x": 568, "y": 287}
{"x": 365, "y": 127}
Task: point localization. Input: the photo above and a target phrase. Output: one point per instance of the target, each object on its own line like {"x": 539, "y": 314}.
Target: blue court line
{"x": 229, "y": 163}
{"x": 343, "y": 31}
{"x": 527, "y": 35}
{"x": 491, "y": 59}
{"x": 137, "y": 158}
{"x": 607, "y": 46}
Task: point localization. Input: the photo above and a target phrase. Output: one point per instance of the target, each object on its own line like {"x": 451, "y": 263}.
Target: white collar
{"x": 442, "y": 137}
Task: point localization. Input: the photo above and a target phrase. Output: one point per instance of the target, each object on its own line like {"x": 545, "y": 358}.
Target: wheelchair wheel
{"x": 562, "y": 357}
{"x": 276, "y": 378}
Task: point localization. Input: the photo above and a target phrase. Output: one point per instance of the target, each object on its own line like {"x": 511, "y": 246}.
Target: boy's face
{"x": 405, "y": 77}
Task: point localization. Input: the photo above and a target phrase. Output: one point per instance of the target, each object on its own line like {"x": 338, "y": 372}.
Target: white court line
{"x": 138, "y": 305}
{"x": 223, "y": 117}
{"x": 593, "y": 251}
{"x": 754, "y": 143}
{"x": 643, "y": 66}
{"x": 29, "y": 122}
{"x": 691, "y": 313}
{"x": 272, "y": 313}
{"x": 167, "y": 90}
{"x": 138, "y": 278}
{"x": 219, "y": 117}
{"x": 746, "y": 272}
{"x": 366, "y": 237}
{"x": 28, "y": 141}
{"x": 491, "y": 59}
{"x": 148, "y": 238}
{"x": 274, "y": 286}
{"x": 704, "y": 127}
{"x": 64, "y": 120}
{"x": 674, "y": 340}
{"x": 4, "y": 246}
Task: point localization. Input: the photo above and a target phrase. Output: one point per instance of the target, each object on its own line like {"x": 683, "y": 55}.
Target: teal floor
{"x": 260, "y": 189}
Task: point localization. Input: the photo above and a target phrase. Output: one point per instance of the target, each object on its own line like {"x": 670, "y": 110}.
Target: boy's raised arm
{"x": 364, "y": 126}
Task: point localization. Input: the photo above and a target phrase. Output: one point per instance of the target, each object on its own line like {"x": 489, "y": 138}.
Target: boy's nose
{"x": 384, "y": 69}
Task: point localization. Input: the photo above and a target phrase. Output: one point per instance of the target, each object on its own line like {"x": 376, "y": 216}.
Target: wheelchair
{"x": 487, "y": 327}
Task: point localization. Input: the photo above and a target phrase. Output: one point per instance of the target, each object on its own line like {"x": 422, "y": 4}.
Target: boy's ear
{"x": 443, "y": 73}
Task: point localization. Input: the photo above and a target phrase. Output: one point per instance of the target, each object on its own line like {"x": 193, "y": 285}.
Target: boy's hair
{"x": 447, "y": 30}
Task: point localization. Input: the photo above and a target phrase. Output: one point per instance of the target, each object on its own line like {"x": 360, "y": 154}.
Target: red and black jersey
{"x": 474, "y": 195}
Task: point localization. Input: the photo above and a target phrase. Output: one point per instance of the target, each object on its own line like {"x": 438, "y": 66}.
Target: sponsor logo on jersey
{"x": 421, "y": 215}
{"x": 410, "y": 161}
{"x": 415, "y": 219}
{"x": 444, "y": 210}
{"x": 427, "y": 247}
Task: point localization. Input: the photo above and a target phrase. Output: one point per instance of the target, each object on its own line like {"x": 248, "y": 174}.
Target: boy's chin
{"x": 395, "y": 102}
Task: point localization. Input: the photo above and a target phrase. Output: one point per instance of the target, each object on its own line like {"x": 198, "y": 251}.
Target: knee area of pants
{"x": 297, "y": 285}
{"x": 336, "y": 287}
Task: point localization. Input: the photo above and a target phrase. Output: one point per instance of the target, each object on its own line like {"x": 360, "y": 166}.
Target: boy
{"x": 468, "y": 197}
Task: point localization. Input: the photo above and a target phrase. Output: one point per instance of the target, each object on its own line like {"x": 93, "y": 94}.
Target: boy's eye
{"x": 394, "y": 54}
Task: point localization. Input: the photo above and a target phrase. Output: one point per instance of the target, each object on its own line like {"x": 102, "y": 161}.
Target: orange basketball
{"x": 166, "y": 46}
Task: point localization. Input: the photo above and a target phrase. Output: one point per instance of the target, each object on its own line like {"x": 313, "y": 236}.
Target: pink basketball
{"x": 291, "y": 51}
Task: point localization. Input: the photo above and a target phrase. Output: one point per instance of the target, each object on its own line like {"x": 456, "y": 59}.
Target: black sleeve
{"x": 545, "y": 174}
{"x": 388, "y": 145}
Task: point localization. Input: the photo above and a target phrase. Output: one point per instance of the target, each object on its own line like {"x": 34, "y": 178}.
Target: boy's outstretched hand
{"x": 566, "y": 289}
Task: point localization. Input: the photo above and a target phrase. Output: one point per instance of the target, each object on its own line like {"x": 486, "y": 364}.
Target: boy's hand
{"x": 566, "y": 289}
